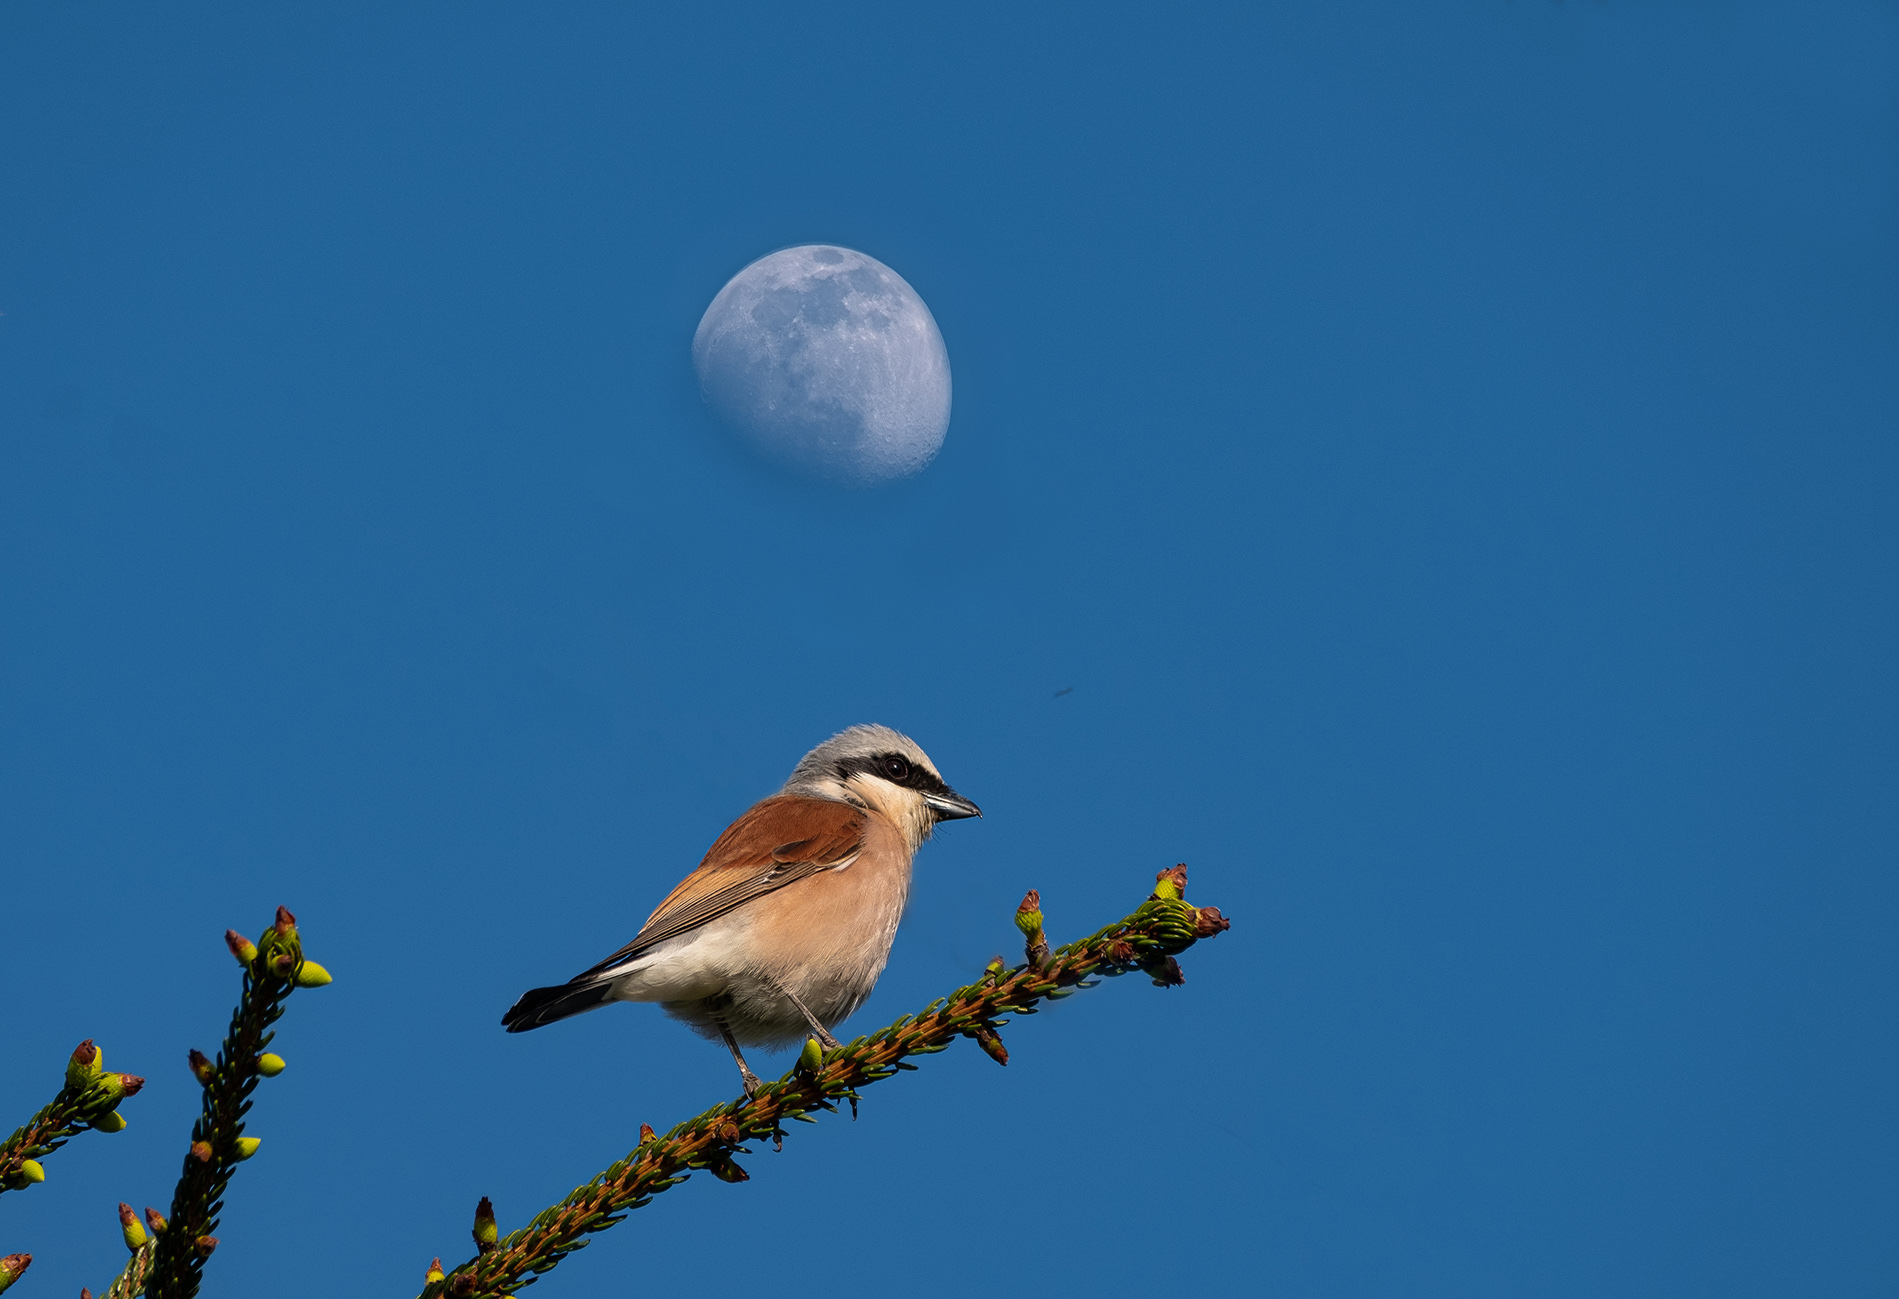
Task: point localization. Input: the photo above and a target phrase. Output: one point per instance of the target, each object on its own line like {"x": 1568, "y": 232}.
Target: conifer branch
{"x": 1147, "y": 940}
{"x": 89, "y": 1099}
{"x": 168, "y": 1261}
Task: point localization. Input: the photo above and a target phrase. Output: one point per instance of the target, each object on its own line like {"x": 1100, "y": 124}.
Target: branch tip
{"x": 1170, "y": 885}
{"x": 486, "y": 1233}
{"x": 86, "y": 1064}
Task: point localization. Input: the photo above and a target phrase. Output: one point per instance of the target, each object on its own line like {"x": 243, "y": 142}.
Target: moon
{"x": 828, "y": 364}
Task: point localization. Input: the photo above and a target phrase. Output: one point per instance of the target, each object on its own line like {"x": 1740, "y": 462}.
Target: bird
{"x": 786, "y": 924}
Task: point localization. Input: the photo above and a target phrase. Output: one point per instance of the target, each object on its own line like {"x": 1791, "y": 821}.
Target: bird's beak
{"x": 951, "y": 806}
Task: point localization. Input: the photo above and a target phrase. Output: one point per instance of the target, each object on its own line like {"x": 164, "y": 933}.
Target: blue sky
{"x": 1451, "y": 456}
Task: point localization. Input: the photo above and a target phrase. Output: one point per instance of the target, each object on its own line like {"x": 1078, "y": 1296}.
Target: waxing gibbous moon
{"x": 826, "y": 362}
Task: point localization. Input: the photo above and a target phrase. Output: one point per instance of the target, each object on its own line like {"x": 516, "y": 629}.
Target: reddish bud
{"x": 1028, "y": 918}
{"x": 728, "y": 1132}
{"x": 1167, "y": 973}
{"x": 434, "y": 1273}
{"x": 1121, "y": 953}
{"x": 11, "y": 1266}
{"x": 205, "y": 1245}
{"x": 464, "y": 1283}
{"x": 201, "y": 1151}
{"x": 84, "y": 1293}
{"x": 201, "y": 1068}
{"x": 646, "y": 1133}
{"x": 727, "y": 1171}
{"x": 82, "y": 1070}
{"x": 1208, "y": 921}
{"x": 155, "y": 1220}
{"x": 131, "y": 1082}
{"x": 241, "y": 947}
{"x": 990, "y": 1042}
{"x": 131, "y": 1228}
{"x": 285, "y": 921}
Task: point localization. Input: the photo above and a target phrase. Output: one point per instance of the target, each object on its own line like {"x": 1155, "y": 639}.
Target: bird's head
{"x": 876, "y": 767}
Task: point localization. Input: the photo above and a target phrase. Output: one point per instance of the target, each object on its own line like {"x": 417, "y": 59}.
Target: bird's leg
{"x": 731, "y": 1044}
{"x": 818, "y": 1030}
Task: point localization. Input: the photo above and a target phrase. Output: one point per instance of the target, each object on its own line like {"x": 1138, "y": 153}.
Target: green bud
{"x": 1170, "y": 885}
{"x": 727, "y": 1171}
{"x": 486, "y": 1234}
{"x": 131, "y": 1228}
{"x": 117, "y": 1086}
{"x": 434, "y": 1273}
{"x": 110, "y": 1121}
{"x": 312, "y": 975}
{"x": 31, "y": 1170}
{"x": 86, "y": 1064}
{"x": 1028, "y": 916}
{"x": 246, "y": 1147}
{"x": 201, "y": 1068}
{"x": 812, "y": 1057}
{"x": 270, "y": 1065}
{"x": 241, "y": 947}
{"x": 11, "y": 1266}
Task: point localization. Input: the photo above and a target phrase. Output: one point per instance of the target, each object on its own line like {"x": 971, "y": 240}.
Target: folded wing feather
{"x": 778, "y": 842}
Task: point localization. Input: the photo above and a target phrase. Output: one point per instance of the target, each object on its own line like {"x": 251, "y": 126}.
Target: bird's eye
{"x": 896, "y": 768}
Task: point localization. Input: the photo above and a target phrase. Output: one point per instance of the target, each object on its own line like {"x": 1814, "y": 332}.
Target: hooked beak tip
{"x": 952, "y": 807}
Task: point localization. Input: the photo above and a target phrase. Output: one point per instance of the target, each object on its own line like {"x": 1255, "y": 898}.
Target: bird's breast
{"x": 827, "y": 937}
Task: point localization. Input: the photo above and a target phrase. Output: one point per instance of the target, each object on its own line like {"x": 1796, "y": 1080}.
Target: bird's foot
{"x": 826, "y": 1041}
{"x": 751, "y": 1082}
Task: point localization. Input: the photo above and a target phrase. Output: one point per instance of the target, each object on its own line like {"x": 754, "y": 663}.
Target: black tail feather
{"x": 539, "y": 1006}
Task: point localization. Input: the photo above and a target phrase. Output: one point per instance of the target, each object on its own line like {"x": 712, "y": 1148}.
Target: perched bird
{"x": 786, "y": 924}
